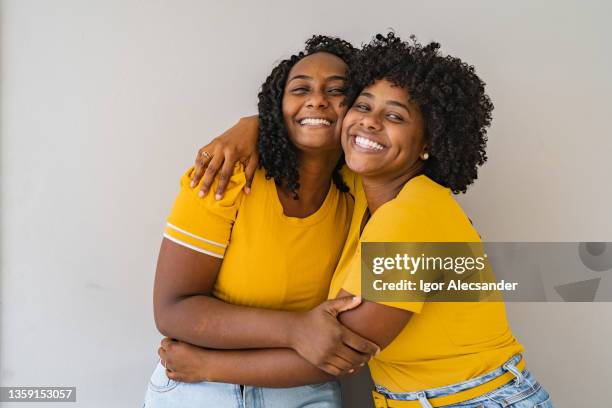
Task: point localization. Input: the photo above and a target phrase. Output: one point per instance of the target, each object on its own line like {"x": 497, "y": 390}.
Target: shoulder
{"x": 423, "y": 211}
{"x": 204, "y": 224}
{"x": 422, "y": 191}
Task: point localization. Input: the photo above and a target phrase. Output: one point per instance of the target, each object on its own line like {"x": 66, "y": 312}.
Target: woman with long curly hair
{"x": 415, "y": 133}
{"x": 248, "y": 272}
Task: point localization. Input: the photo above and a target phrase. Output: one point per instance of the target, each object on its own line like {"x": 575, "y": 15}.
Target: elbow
{"x": 161, "y": 322}
{"x": 162, "y": 313}
{"x": 164, "y": 307}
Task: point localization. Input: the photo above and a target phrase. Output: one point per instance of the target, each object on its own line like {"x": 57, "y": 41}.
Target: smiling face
{"x": 312, "y": 102}
{"x": 384, "y": 132}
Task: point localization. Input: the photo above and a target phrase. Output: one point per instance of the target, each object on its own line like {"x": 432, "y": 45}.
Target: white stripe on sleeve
{"x": 182, "y": 231}
{"x": 195, "y": 248}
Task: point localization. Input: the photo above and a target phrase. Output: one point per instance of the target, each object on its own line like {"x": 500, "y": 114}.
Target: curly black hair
{"x": 278, "y": 155}
{"x": 451, "y": 97}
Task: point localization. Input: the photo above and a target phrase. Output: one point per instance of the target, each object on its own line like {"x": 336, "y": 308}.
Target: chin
{"x": 360, "y": 167}
{"x": 316, "y": 143}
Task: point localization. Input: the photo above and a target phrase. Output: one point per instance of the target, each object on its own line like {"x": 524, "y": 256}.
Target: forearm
{"x": 209, "y": 322}
{"x": 322, "y": 349}
{"x": 274, "y": 368}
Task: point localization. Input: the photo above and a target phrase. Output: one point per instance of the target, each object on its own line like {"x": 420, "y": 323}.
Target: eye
{"x": 299, "y": 90}
{"x": 336, "y": 91}
{"x": 395, "y": 117}
{"x": 362, "y": 107}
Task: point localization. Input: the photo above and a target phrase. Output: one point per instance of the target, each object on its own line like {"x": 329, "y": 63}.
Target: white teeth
{"x": 315, "y": 121}
{"x": 367, "y": 143}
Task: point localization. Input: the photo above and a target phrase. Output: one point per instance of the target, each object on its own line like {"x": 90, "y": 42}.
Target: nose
{"x": 317, "y": 100}
{"x": 370, "y": 122}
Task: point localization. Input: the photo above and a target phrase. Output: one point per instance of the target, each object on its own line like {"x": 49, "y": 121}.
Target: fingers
{"x": 337, "y": 366}
{"x": 250, "y": 172}
{"x": 174, "y": 371}
{"x": 353, "y": 358}
{"x": 163, "y": 357}
{"x": 337, "y": 306}
{"x": 162, "y": 351}
{"x": 331, "y": 370}
{"x": 201, "y": 162}
{"x": 219, "y": 154}
{"x": 166, "y": 341}
{"x": 224, "y": 176}
{"x": 210, "y": 173}
{"x": 172, "y": 375}
{"x": 358, "y": 343}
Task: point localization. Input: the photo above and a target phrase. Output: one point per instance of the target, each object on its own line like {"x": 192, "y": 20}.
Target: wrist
{"x": 205, "y": 366}
{"x": 292, "y": 329}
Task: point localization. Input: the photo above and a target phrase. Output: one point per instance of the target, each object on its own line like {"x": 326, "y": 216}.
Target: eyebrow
{"x": 329, "y": 78}
{"x": 393, "y": 103}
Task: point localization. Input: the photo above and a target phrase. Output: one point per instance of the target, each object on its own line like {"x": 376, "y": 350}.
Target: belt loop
{"x": 512, "y": 368}
{"x": 423, "y": 400}
{"x": 380, "y": 401}
{"x": 243, "y": 393}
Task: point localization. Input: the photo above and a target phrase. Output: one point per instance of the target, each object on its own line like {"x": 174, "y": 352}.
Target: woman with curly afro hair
{"x": 244, "y": 278}
{"x": 415, "y": 133}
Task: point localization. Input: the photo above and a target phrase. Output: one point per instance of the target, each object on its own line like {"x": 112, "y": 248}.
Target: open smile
{"x": 315, "y": 122}
{"x": 366, "y": 144}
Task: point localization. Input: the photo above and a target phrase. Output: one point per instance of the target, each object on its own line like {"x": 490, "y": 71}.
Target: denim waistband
{"x": 509, "y": 365}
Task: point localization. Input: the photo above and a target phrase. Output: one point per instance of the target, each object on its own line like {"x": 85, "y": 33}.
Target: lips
{"x": 366, "y": 143}
{"x": 314, "y": 121}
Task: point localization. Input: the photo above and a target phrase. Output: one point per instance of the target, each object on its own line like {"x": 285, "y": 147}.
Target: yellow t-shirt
{"x": 444, "y": 342}
{"x": 270, "y": 260}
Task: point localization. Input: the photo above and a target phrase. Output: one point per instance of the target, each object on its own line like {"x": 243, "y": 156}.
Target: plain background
{"x": 104, "y": 104}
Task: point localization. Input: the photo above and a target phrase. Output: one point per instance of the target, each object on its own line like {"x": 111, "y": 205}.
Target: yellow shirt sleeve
{"x": 387, "y": 226}
{"x": 204, "y": 224}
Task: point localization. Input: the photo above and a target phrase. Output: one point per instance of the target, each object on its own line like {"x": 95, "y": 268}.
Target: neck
{"x": 315, "y": 170}
{"x": 379, "y": 190}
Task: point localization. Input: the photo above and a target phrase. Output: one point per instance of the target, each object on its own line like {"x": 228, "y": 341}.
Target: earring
{"x": 425, "y": 156}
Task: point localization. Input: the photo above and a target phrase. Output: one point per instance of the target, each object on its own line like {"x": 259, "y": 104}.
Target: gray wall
{"x": 105, "y": 102}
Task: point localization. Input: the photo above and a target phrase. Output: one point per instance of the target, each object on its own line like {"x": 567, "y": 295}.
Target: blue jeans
{"x": 522, "y": 392}
{"x": 163, "y": 392}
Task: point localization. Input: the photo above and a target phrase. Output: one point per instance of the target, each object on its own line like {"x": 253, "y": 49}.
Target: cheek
{"x": 350, "y": 117}
{"x": 406, "y": 143}
{"x": 340, "y": 108}
{"x": 418, "y": 142}
{"x": 288, "y": 106}
{"x": 346, "y": 123}
{"x": 350, "y": 122}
